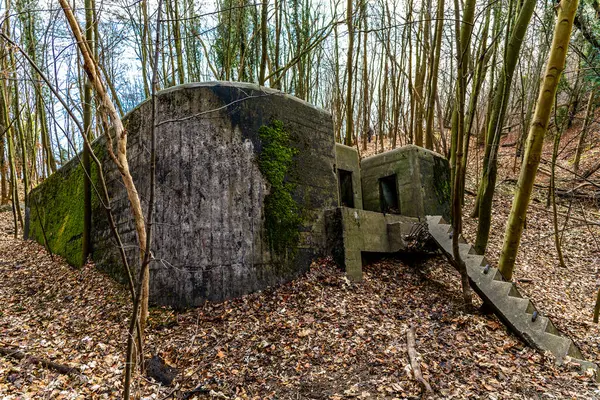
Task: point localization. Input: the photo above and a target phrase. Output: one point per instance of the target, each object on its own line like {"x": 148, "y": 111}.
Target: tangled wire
{"x": 419, "y": 239}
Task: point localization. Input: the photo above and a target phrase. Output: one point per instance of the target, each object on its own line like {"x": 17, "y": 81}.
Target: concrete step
{"x": 562, "y": 347}
{"x": 483, "y": 279}
{"x": 586, "y": 365}
{"x": 514, "y": 292}
{"x": 550, "y": 328}
{"x": 574, "y": 351}
{"x": 443, "y": 234}
{"x": 537, "y": 326}
{"x": 475, "y": 260}
{"x": 557, "y": 345}
{"x": 520, "y": 305}
{"x": 435, "y": 219}
{"x": 465, "y": 249}
{"x": 499, "y": 289}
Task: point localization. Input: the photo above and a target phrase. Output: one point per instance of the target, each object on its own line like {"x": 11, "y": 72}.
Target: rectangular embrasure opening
{"x": 388, "y": 195}
{"x": 346, "y": 192}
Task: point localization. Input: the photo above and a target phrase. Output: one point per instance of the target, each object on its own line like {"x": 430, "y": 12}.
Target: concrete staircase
{"x": 518, "y": 313}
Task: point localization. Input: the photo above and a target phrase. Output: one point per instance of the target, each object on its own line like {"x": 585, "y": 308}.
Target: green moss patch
{"x": 56, "y": 209}
{"x": 282, "y": 214}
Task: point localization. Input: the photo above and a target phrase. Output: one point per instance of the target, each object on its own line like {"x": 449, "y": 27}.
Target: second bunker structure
{"x": 409, "y": 181}
{"x": 381, "y": 199}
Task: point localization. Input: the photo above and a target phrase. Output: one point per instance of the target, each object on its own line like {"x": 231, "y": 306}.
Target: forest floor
{"x": 320, "y": 336}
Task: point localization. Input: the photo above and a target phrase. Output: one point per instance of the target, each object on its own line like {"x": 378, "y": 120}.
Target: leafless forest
{"x": 507, "y": 90}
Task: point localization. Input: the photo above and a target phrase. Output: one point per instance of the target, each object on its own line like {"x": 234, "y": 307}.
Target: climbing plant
{"x": 282, "y": 214}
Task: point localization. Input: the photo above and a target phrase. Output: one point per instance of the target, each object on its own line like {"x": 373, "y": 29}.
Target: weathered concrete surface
{"x": 351, "y": 231}
{"x": 422, "y": 181}
{"x": 346, "y": 159}
{"x": 505, "y": 300}
{"x": 209, "y": 240}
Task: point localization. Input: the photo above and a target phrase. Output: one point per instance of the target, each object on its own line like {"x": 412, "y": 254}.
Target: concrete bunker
{"x": 212, "y": 239}
{"x": 251, "y": 187}
{"x": 409, "y": 181}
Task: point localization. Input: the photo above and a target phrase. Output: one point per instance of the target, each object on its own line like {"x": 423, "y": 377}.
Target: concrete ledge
{"x": 350, "y": 232}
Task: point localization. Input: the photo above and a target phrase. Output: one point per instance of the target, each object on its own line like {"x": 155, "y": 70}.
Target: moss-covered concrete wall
{"x": 210, "y": 238}
{"x": 422, "y": 180}
{"x": 346, "y": 158}
{"x": 56, "y": 212}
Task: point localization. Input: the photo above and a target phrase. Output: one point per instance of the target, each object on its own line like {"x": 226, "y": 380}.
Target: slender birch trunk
{"x": 109, "y": 114}
{"x": 462, "y": 47}
{"x": 435, "y": 59}
{"x": 537, "y": 131}
{"x": 349, "y": 65}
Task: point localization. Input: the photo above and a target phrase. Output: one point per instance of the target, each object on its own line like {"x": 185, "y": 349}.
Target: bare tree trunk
{"x": 421, "y": 81}
{"x": 365, "y": 78}
{"x": 19, "y": 132}
{"x": 481, "y": 137}
{"x": 349, "y": 65}
{"x": 586, "y": 124}
{"x": 537, "y": 131}
{"x": 7, "y": 127}
{"x": 411, "y": 131}
{"x": 177, "y": 40}
{"x": 435, "y": 59}
{"x": 488, "y": 181}
{"x": 559, "y": 252}
{"x": 141, "y": 301}
{"x": 597, "y": 307}
{"x": 108, "y": 113}
{"x": 87, "y": 127}
{"x": 3, "y": 181}
{"x": 478, "y": 79}
{"x": 462, "y": 47}
{"x": 263, "y": 37}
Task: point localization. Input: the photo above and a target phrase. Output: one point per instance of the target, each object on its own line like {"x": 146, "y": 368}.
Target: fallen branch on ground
{"x": 19, "y": 355}
{"x": 414, "y": 359}
{"x": 564, "y": 193}
{"x": 585, "y": 222}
